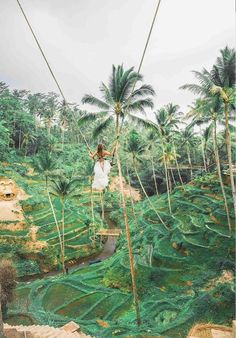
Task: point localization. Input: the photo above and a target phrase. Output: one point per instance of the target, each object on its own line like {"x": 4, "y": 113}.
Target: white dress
{"x": 101, "y": 172}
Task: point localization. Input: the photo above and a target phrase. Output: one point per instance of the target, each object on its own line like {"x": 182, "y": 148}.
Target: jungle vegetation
{"x": 169, "y": 155}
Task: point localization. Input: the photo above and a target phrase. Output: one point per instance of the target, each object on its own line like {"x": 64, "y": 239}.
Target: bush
{"x": 27, "y": 267}
{"x": 8, "y": 283}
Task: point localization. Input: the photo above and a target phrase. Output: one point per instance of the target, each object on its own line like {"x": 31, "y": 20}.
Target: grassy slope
{"x": 177, "y": 286}
{"x": 17, "y": 245}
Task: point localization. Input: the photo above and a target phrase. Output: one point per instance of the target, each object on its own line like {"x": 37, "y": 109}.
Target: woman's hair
{"x": 100, "y": 149}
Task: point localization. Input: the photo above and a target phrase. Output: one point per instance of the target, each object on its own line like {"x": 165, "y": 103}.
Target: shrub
{"x": 8, "y": 283}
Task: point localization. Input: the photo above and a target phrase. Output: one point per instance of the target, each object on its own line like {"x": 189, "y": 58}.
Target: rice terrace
{"x": 117, "y": 169}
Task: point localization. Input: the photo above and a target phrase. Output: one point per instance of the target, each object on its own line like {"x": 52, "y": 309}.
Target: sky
{"x": 83, "y": 38}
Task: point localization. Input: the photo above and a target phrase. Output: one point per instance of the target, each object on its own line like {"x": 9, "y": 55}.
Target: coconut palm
{"x": 189, "y": 142}
{"x": 121, "y": 99}
{"x": 210, "y": 112}
{"x": 64, "y": 188}
{"x": 166, "y": 122}
{"x": 152, "y": 144}
{"x": 227, "y": 95}
{"x": 220, "y": 81}
{"x": 48, "y": 115}
{"x": 136, "y": 148}
{"x": 168, "y": 157}
{"x": 46, "y": 164}
{"x": 66, "y": 117}
{"x": 175, "y": 139}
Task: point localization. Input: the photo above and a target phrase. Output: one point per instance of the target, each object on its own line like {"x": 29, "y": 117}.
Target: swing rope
{"x": 49, "y": 67}
{"x": 133, "y": 275}
{"x": 140, "y": 64}
{"x": 136, "y": 301}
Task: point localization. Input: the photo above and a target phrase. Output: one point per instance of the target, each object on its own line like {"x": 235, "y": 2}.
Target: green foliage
{"x": 118, "y": 278}
{"x": 179, "y": 270}
{"x": 27, "y": 267}
{"x": 4, "y": 141}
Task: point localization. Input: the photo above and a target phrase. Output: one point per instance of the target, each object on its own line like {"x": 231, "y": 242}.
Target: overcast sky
{"x": 83, "y": 38}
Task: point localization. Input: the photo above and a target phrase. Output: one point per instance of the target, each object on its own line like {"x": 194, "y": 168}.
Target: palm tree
{"x": 129, "y": 244}
{"x": 189, "y": 142}
{"x": 136, "y": 148}
{"x": 120, "y": 100}
{"x": 28, "y": 138}
{"x": 46, "y": 164}
{"x": 168, "y": 156}
{"x": 67, "y": 118}
{"x": 50, "y": 109}
{"x": 209, "y": 111}
{"x": 36, "y": 105}
{"x": 152, "y": 142}
{"x": 64, "y": 188}
{"x": 220, "y": 81}
{"x": 166, "y": 122}
{"x": 227, "y": 95}
{"x": 206, "y": 137}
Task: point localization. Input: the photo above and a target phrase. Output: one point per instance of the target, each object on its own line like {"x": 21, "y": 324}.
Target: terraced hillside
{"x": 184, "y": 273}
{"x": 30, "y": 238}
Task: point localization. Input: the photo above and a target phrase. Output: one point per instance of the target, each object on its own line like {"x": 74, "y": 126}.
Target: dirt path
{"x": 11, "y": 210}
{"x": 128, "y": 190}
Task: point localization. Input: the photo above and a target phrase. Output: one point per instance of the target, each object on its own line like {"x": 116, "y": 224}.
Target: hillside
{"x": 184, "y": 274}
{"x": 28, "y": 233}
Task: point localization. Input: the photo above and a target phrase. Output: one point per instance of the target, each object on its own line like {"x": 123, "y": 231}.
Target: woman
{"x": 102, "y": 168}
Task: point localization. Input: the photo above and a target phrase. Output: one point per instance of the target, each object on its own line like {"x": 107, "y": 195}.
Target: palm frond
{"x": 139, "y": 105}
{"x": 107, "y": 94}
{"x": 102, "y": 126}
{"x": 90, "y": 99}
{"x": 90, "y": 117}
{"x": 143, "y": 122}
{"x": 143, "y": 91}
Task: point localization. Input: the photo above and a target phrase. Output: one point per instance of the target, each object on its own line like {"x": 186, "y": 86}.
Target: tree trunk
{"x": 131, "y": 197}
{"x": 63, "y": 233}
{"x": 190, "y": 162}
{"x": 173, "y": 177}
{"x": 19, "y": 140}
{"x": 228, "y": 146}
{"x": 203, "y": 152}
{"x": 167, "y": 182}
{"x": 154, "y": 176}
{"x": 102, "y": 204}
{"x": 127, "y": 229}
{"x": 146, "y": 195}
{"x": 92, "y": 210}
{"x": 220, "y": 176}
{"x": 63, "y": 138}
{"x": 177, "y": 166}
{"x": 135, "y": 293}
{"x": 55, "y": 219}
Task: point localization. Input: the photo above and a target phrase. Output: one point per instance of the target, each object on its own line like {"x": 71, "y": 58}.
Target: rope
{"x": 136, "y": 301}
{"x": 135, "y": 294}
{"x": 49, "y": 67}
{"x": 141, "y": 61}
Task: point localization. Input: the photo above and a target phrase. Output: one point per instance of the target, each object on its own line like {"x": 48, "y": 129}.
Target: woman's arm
{"x": 107, "y": 153}
{"x": 92, "y": 155}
